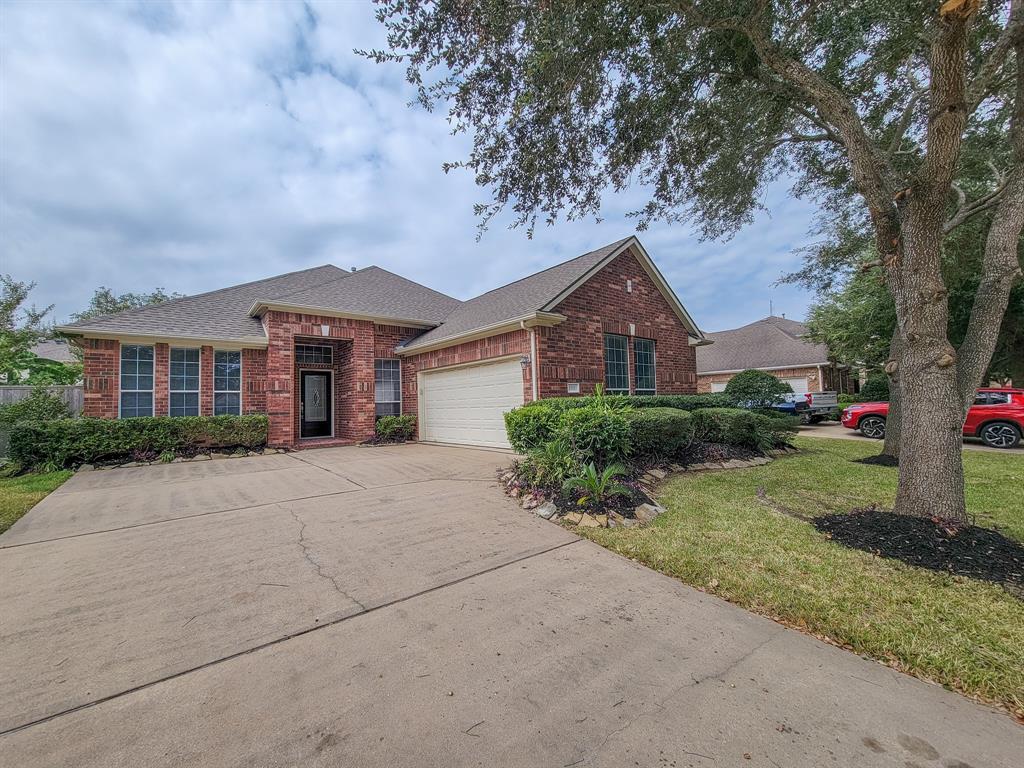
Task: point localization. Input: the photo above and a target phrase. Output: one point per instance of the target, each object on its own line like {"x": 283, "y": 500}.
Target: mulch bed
{"x": 701, "y": 453}
{"x": 881, "y": 460}
{"x": 938, "y": 545}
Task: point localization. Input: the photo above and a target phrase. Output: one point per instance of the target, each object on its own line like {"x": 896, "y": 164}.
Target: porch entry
{"x": 316, "y": 407}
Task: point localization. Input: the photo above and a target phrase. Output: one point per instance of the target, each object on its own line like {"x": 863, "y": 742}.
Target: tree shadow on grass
{"x": 979, "y": 553}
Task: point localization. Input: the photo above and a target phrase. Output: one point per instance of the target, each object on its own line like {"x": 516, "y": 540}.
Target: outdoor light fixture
{"x": 525, "y": 361}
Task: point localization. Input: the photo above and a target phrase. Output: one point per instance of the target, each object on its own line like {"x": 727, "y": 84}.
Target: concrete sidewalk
{"x": 419, "y": 618}
{"x": 837, "y": 431}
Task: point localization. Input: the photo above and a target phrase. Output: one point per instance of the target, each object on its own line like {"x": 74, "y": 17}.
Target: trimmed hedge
{"x": 682, "y": 402}
{"x": 67, "y": 442}
{"x": 599, "y": 435}
{"x": 396, "y": 428}
{"x": 735, "y": 426}
{"x": 531, "y": 426}
{"x": 663, "y": 432}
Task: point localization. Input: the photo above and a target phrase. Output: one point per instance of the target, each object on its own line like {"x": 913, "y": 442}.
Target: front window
{"x": 387, "y": 387}
{"x": 227, "y": 383}
{"x": 136, "y": 380}
{"x": 643, "y": 363}
{"x": 616, "y": 363}
{"x": 184, "y": 383}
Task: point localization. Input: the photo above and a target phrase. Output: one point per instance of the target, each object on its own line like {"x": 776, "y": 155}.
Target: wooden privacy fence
{"x": 72, "y": 395}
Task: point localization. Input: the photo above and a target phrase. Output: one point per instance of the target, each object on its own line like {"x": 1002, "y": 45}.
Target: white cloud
{"x": 196, "y": 145}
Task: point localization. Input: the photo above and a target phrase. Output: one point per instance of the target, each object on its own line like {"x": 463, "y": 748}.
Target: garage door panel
{"x": 467, "y": 405}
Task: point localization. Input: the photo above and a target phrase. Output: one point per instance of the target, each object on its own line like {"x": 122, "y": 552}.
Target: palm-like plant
{"x": 598, "y": 487}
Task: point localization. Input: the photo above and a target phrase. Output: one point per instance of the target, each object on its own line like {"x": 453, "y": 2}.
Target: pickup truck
{"x": 997, "y": 417}
{"x": 811, "y": 407}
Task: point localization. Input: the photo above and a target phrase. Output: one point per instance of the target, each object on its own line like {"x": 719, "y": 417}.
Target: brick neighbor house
{"x": 324, "y": 352}
{"x": 776, "y": 345}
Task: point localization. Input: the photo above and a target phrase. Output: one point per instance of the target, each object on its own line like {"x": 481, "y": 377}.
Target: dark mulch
{"x": 980, "y": 553}
{"x": 701, "y": 453}
{"x": 881, "y": 460}
{"x": 624, "y": 505}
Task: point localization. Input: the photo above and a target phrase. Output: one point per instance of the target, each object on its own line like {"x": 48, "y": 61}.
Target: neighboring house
{"x": 56, "y": 350}
{"x": 775, "y": 345}
{"x": 324, "y": 352}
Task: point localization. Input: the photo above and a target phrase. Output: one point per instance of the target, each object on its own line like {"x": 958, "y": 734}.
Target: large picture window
{"x": 387, "y": 387}
{"x": 227, "y": 383}
{"x": 183, "y": 390}
{"x": 643, "y": 364}
{"x": 616, "y": 363}
{"x": 136, "y": 380}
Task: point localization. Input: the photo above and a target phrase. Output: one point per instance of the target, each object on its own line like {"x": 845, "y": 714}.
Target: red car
{"x": 997, "y": 417}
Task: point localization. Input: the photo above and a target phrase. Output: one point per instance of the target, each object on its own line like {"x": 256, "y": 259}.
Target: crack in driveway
{"x": 308, "y": 556}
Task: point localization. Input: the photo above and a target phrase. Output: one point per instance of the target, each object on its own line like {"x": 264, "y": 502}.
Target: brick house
{"x": 324, "y": 352}
{"x": 773, "y": 344}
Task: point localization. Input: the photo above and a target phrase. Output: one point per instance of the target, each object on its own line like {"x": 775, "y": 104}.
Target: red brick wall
{"x": 100, "y": 377}
{"x": 161, "y": 380}
{"x": 573, "y": 351}
{"x": 254, "y": 381}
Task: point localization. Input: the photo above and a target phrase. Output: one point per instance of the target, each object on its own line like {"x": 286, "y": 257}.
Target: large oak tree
{"x": 869, "y": 104}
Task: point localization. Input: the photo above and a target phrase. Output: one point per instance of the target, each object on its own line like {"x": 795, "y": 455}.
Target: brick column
{"x": 206, "y": 381}
{"x": 280, "y": 379}
{"x": 101, "y": 377}
{"x": 161, "y": 381}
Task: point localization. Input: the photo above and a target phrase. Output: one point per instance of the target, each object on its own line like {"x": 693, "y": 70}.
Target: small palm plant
{"x": 598, "y": 487}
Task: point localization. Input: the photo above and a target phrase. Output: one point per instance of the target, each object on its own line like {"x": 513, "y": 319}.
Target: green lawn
{"x": 19, "y": 494}
{"x": 717, "y": 535}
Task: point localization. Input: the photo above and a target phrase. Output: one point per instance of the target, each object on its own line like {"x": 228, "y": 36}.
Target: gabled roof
{"x": 773, "y": 342}
{"x": 371, "y": 292}
{"x": 54, "y": 349}
{"x": 536, "y": 297}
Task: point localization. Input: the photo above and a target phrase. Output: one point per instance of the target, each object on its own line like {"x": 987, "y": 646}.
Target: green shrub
{"x": 531, "y": 426}
{"x": 551, "y": 464}
{"x": 757, "y": 389}
{"x": 659, "y": 432}
{"x": 596, "y": 434}
{"x": 40, "y": 405}
{"x": 67, "y": 442}
{"x": 682, "y": 402}
{"x": 396, "y": 428}
{"x": 735, "y": 426}
{"x": 875, "y": 388}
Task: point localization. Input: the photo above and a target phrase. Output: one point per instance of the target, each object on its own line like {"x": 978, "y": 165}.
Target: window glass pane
{"x": 998, "y": 398}
{"x": 616, "y": 363}
{"x": 313, "y": 353}
{"x": 643, "y": 350}
{"x": 227, "y": 403}
{"x": 184, "y": 404}
{"x": 136, "y": 404}
{"x": 227, "y": 371}
{"x": 389, "y": 409}
{"x": 387, "y": 389}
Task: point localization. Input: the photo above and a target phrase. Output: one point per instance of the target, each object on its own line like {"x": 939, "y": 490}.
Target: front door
{"x": 315, "y": 404}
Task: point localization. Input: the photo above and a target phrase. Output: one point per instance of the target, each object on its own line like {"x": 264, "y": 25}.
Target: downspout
{"x": 533, "y": 358}
{"x": 821, "y": 380}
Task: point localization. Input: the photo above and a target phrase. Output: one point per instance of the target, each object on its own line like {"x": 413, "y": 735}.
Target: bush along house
{"x": 324, "y": 352}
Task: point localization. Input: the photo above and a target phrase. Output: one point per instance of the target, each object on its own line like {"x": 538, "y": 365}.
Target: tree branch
{"x": 965, "y": 210}
{"x": 982, "y": 83}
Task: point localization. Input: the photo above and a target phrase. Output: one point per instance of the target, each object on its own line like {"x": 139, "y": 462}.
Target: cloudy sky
{"x": 192, "y": 146}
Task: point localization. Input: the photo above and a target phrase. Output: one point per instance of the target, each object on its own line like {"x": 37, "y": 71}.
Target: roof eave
{"x": 765, "y": 368}
{"x": 652, "y": 270}
{"x": 530, "y": 320}
{"x": 169, "y": 338}
{"x": 261, "y": 306}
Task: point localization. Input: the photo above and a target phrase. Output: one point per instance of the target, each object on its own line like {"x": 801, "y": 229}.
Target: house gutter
{"x": 153, "y": 338}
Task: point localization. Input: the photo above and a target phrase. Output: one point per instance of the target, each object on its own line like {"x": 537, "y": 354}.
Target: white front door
{"x": 467, "y": 405}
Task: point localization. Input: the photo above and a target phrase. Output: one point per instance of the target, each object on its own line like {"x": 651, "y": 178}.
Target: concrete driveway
{"x": 390, "y": 607}
{"x": 835, "y": 430}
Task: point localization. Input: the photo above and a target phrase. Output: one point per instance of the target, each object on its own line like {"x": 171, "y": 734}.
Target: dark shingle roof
{"x": 530, "y": 294}
{"x": 769, "y": 343}
{"x": 224, "y": 314}
{"x": 373, "y": 292}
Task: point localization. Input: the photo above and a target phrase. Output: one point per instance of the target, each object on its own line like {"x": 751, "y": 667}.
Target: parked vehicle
{"x": 997, "y": 417}
{"x": 811, "y": 407}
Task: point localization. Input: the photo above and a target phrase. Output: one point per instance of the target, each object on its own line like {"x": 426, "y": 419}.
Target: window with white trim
{"x": 616, "y": 363}
{"x": 136, "y": 380}
{"x": 387, "y": 387}
{"x": 183, "y": 388}
{"x": 313, "y": 354}
{"x": 227, "y": 382}
{"x": 643, "y": 367}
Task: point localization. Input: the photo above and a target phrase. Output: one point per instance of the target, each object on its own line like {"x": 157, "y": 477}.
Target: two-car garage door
{"x": 467, "y": 405}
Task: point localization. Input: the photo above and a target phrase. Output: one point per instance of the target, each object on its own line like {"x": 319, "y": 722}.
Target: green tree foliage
{"x": 757, "y": 389}
{"x": 105, "y": 302}
{"x": 21, "y": 327}
{"x": 40, "y": 405}
{"x": 875, "y": 388}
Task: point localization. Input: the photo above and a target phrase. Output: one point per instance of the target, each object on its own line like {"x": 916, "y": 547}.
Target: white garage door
{"x": 467, "y": 405}
{"x": 799, "y": 385}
